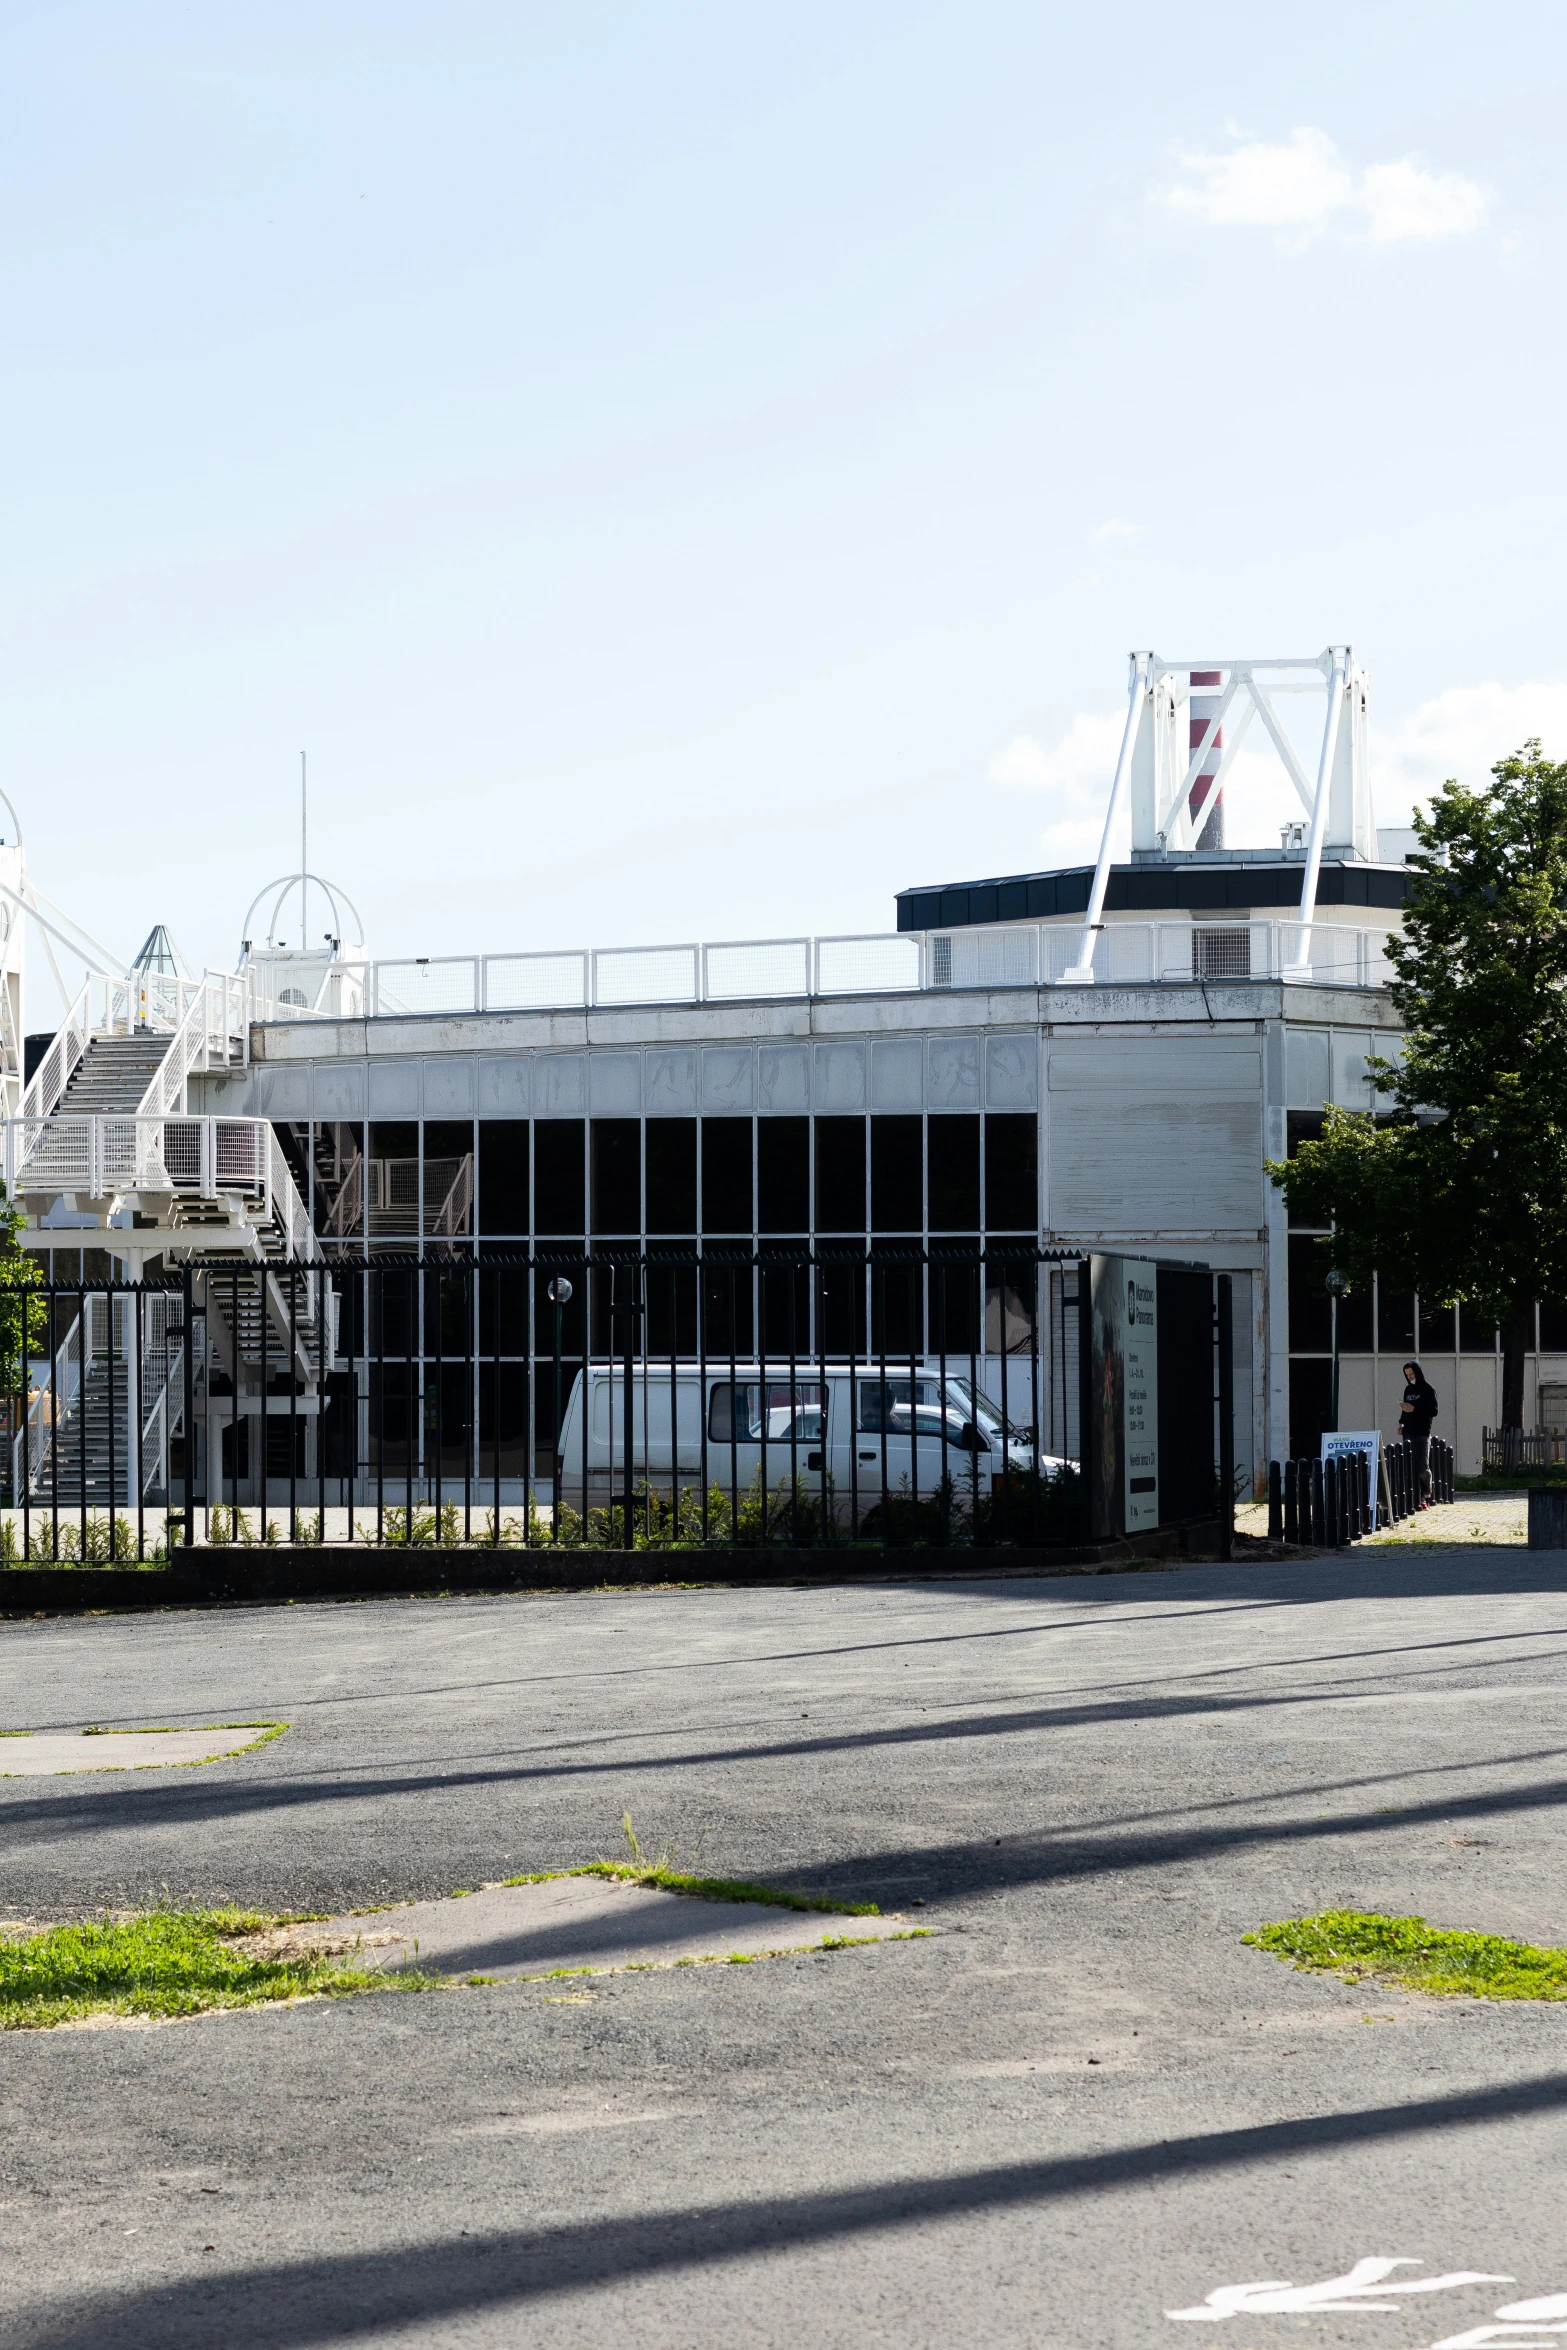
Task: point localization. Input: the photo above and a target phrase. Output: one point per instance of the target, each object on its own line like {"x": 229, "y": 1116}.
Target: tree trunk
{"x": 1517, "y": 1339}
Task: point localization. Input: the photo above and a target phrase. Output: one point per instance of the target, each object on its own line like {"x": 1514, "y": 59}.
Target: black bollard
{"x": 1291, "y": 1501}
{"x": 1275, "y": 1503}
{"x": 1318, "y": 1521}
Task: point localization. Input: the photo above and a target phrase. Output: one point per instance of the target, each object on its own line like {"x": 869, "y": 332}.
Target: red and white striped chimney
{"x": 1206, "y": 803}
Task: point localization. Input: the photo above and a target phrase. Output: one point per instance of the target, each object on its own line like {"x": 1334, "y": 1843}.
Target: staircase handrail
{"x": 154, "y": 1439}
{"x": 283, "y": 1198}
{"x": 210, "y": 1022}
{"x": 41, "y": 1097}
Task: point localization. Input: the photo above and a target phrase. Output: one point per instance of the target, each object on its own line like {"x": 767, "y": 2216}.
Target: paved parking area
{"x": 1080, "y": 2104}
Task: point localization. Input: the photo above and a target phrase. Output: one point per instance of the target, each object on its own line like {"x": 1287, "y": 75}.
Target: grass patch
{"x": 1360, "y": 1946}
{"x": 670, "y": 1880}
{"x": 165, "y": 1963}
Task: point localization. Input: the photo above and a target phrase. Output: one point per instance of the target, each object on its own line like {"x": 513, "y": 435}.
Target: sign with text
{"x": 1355, "y": 1440}
{"x": 1125, "y": 1394}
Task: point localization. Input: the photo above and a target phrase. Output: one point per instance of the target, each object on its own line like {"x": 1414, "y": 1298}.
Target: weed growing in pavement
{"x": 665, "y": 1873}
{"x": 167, "y": 1963}
{"x": 1360, "y": 1946}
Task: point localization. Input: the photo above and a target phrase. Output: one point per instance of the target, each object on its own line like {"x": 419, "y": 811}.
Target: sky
{"x": 691, "y": 473}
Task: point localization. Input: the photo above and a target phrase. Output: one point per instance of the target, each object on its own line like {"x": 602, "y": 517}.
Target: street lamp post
{"x": 1335, "y": 1285}
{"x": 559, "y": 1295}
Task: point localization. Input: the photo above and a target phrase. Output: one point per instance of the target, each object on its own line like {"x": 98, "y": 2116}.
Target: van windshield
{"x": 988, "y": 1416}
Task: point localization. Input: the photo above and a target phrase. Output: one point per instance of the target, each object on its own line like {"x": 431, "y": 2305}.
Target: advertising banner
{"x": 1124, "y": 1395}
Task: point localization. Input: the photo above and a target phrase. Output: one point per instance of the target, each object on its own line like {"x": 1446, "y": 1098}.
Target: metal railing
{"x": 104, "y": 1155}
{"x": 1523, "y": 1448}
{"x": 903, "y": 962}
{"x": 124, "y": 1348}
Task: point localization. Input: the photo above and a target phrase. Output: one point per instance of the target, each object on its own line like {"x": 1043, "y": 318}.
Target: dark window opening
{"x": 726, "y": 1175}
{"x": 1436, "y": 1330}
{"x": 393, "y": 1181}
{"x": 1012, "y": 1174}
{"x": 897, "y": 1174}
{"x": 557, "y": 1181}
{"x": 1311, "y": 1322}
{"x": 783, "y": 1174}
{"x": 671, "y": 1175}
{"x": 617, "y": 1175}
{"x": 503, "y": 1176}
{"x": 840, "y": 1174}
{"x": 952, "y": 1160}
{"x": 448, "y": 1178}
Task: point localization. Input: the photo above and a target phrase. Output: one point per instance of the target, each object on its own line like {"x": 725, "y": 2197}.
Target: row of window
{"x": 674, "y": 1177}
{"x": 1393, "y": 1322}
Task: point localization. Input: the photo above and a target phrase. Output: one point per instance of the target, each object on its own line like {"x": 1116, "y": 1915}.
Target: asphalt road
{"x": 1080, "y": 2104}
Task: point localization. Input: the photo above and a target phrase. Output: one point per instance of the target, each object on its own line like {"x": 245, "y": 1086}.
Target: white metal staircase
{"x": 104, "y": 1128}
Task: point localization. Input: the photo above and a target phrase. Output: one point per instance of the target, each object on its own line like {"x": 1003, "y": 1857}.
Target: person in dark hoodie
{"x": 1414, "y": 1422}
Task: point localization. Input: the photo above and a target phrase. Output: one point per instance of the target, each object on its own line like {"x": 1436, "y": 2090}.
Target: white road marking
{"x": 1349, "y": 2293}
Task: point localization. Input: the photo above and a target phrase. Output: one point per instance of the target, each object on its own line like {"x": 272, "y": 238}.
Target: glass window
{"x": 338, "y": 1153}
{"x": 738, "y": 1413}
{"x": 726, "y": 1175}
{"x": 1301, "y": 1126}
{"x": 897, "y": 1174}
{"x": 448, "y": 1178}
{"x": 558, "y": 1191}
{"x": 1311, "y": 1330}
{"x": 783, "y": 1174}
{"x": 890, "y": 1403}
{"x": 392, "y": 1181}
{"x": 840, "y": 1174}
{"x": 952, "y": 1155}
{"x": 617, "y": 1176}
{"x": 1012, "y": 1174}
{"x": 503, "y": 1176}
{"x": 671, "y": 1175}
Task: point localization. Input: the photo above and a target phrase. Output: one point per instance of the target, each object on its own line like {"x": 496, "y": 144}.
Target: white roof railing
{"x": 1126, "y": 954}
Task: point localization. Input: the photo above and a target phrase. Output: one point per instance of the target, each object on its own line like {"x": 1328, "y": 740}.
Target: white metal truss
{"x": 1160, "y": 762}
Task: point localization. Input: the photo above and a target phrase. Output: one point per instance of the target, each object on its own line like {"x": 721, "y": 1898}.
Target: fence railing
{"x": 103, "y": 1156}
{"x": 1523, "y": 1448}
{"x": 1126, "y": 954}
{"x": 1326, "y": 1504}
{"x": 713, "y": 1399}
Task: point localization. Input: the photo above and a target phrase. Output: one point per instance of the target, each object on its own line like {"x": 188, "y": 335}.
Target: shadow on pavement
{"x": 293, "y": 2304}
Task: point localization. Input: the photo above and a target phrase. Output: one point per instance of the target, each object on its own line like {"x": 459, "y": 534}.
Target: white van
{"x": 868, "y": 1436}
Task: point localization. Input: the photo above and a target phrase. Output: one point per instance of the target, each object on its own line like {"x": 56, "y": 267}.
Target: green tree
{"x": 23, "y": 1315}
{"x": 1460, "y": 1191}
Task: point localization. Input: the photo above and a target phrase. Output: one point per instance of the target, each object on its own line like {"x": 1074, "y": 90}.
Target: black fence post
{"x": 1291, "y": 1501}
{"x": 1226, "y": 1422}
{"x": 1275, "y": 1503}
{"x": 1318, "y": 1497}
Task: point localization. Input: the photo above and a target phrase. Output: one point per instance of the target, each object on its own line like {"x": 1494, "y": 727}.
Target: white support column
{"x": 1319, "y": 806}
{"x": 1138, "y": 713}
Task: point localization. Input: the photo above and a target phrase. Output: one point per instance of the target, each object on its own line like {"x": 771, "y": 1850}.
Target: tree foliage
{"x": 23, "y": 1316}
{"x": 1459, "y": 1188}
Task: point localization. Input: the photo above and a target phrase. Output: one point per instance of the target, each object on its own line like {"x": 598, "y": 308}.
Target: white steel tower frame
{"x": 1161, "y": 760}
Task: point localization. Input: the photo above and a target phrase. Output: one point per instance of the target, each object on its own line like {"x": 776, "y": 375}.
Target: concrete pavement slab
{"x": 584, "y": 1922}
{"x": 26, "y": 1754}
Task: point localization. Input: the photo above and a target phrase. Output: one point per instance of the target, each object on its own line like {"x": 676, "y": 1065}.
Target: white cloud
{"x": 1302, "y": 186}
{"x": 1105, "y": 532}
{"x": 1403, "y": 201}
{"x": 1077, "y": 773}
{"x": 1462, "y": 732}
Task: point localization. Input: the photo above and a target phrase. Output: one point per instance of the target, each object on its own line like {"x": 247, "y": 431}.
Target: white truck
{"x": 869, "y": 1436}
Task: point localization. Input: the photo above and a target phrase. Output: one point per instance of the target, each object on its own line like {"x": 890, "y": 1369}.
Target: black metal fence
{"x": 1326, "y": 1504}
{"x": 717, "y": 1397}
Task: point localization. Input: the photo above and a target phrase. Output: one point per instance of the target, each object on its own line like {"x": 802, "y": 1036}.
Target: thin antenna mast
{"x": 304, "y": 862}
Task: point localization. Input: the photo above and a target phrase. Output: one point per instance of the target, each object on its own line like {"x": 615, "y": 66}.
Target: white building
{"x": 1082, "y": 1059}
